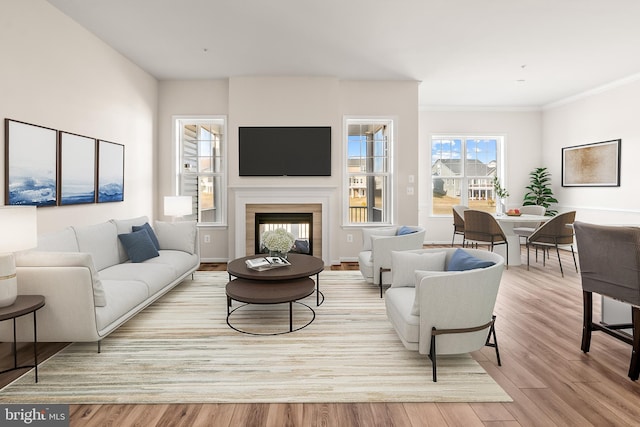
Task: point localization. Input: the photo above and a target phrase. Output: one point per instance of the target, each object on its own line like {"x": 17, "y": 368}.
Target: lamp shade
{"x": 177, "y": 205}
{"x": 18, "y": 228}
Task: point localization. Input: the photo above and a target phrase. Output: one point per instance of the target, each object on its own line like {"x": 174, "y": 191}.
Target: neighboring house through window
{"x": 202, "y": 166}
{"x": 369, "y": 171}
{"x": 462, "y": 171}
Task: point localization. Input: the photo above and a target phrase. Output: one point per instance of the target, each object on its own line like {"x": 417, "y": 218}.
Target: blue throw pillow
{"x": 405, "y": 230}
{"x": 462, "y": 260}
{"x": 138, "y": 245}
{"x": 149, "y": 231}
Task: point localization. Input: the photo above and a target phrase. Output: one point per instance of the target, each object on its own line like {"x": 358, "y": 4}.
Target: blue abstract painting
{"x": 110, "y": 172}
{"x": 77, "y": 169}
{"x": 31, "y": 163}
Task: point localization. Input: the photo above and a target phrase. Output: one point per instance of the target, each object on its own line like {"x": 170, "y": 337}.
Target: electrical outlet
{"x": 349, "y": 238}
{"x": 410, "y": 191}
{"x": 207, "y": 238}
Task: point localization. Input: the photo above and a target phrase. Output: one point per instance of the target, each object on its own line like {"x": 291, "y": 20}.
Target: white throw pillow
{"x": 404, "y": 264}
{"x": 419, "y": 275}
{"x": 368, "y": 232}
{"x": 178, "y": 236}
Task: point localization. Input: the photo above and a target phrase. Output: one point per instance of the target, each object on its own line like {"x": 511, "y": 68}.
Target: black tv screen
{"x": 285, "y": 151}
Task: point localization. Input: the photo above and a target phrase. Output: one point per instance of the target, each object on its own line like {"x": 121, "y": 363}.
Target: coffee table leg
{"x": 290, "y": 316}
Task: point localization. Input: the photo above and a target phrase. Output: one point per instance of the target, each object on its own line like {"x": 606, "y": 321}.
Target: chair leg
{"x": 587, "y": 319}
{"x": 634, "y": 366}
{"x": 492, "y": 334}
{"x": 575, "y": 264}
{"x": 527, "y": 257}
{"x": 432, "y": 355}
{"x": 559, "y": 261}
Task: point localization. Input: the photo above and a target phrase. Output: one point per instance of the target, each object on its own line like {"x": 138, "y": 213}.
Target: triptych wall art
{"x": 48, "y": 167}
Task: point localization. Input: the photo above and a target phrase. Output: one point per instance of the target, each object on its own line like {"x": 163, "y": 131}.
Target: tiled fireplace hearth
{"x": 315, "y": 201}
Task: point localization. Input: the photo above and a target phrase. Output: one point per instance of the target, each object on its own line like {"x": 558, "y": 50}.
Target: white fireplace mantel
{"x": 268, "y": 195}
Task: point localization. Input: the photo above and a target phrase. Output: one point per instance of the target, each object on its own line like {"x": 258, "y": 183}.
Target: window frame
{"x": 389, "y": 207}
{"x": 222, "y": 174}
{"x": 501, "y": 141}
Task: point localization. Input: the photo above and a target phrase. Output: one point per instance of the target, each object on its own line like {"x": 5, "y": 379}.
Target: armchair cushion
{"x": 404, "y": 265}
{"x": 462, "y": 260}
{"x": 368, "y": 233}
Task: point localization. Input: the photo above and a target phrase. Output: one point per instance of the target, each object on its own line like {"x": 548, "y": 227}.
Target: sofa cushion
{"x": 462, "y": 260}
{"x": 124, "y": 226}
{"x": 138, "y": 246}
{"x": 156, "y": 276}
{"x": 368, "y": 232}
{"x": 152, "y": 235}
{"x": 58, "y": 241}
{"x": 101, "y": 241}
{"x": 404, "y": 265}
{"x": 179, "y": 236}
{"x": 178, "y": 260}
{"x": 398, "y": 302}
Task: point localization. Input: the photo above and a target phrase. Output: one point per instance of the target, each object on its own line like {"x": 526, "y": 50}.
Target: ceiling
{"x": 465, "y": 53}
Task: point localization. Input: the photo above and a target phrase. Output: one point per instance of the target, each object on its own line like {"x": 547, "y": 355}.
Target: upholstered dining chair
{"x": 458, "y": 222}
{"x": 482, "y": 228}
{"x": 525, "y": 229}
{"x": 552, "y": 234}
{"x": 610, "y": 266}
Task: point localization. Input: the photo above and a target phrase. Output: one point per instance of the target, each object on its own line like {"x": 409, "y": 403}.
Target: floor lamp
{"x": 178, "y": 206}
{"x": 18, "y": 231}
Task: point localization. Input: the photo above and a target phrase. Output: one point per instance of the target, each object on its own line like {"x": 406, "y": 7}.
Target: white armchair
{"x": 374, "y": 260}
{"x": 443, "y": 312}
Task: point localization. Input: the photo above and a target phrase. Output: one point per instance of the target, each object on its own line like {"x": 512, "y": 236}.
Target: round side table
{"x": 24, "y": 304}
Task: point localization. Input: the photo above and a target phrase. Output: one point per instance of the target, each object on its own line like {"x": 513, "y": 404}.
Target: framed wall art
{"x": 110, "y": 172}
{"x": 592, "y": 165}
{"x": 30, "y": 164}
{"x": 77, "y": 169}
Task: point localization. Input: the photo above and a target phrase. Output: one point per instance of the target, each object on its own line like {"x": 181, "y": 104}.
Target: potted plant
{"x": 501, "y": 195}
{"x": 540, "y": 192}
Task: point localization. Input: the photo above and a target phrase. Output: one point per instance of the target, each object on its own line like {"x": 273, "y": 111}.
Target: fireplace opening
{"x": 298, "y": 224}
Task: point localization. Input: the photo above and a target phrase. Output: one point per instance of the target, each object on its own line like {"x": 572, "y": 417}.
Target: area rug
{"x": 181, "y": 350}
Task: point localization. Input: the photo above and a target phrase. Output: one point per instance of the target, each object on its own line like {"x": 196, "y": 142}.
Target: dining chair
{"x": 525, "y": 229}
{"x": 554, "y": 233}
{"x": 609, "y": 265}
{"x": 458, "y": 222}
{"x": 482, "y": 228}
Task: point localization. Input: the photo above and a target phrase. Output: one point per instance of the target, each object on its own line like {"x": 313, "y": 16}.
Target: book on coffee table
{"x": 266, "y": 263}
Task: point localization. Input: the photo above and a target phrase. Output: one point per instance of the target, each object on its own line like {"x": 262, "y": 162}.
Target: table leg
{"x": 290, "y": 316}
{"x": 35, "y": 345}
{"x": 15, "y": 346}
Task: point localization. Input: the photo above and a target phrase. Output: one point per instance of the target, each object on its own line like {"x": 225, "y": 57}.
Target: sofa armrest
{"x": 383, "y": 246}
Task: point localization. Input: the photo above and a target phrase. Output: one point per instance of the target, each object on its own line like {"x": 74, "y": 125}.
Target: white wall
{"x": 56, "y": 74}
{"x": 601, "y": 116}
{"x": 523, "y": 136}
{"x": 293, "y": 101}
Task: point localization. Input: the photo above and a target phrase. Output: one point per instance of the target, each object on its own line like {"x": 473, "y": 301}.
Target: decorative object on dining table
{"x": 501, "y": 195}
{"x": 514, "y": 212}
{"x": 540, "y": 192}
{"x": 279, "y": 242}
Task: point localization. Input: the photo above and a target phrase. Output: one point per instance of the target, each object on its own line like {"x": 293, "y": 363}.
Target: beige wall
{"x": 598, "y": 116}
{"x": 293, "y": 101}
{"x": 523, "y": 136}
{"x": 56, "y": 74}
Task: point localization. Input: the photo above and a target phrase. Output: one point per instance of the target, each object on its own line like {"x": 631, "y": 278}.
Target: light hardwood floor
{"x": 551, "y": 381}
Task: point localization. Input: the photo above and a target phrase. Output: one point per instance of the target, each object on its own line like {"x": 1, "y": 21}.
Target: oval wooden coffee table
{"x": 301, "y": 266}
{"x": 287, "y": 284}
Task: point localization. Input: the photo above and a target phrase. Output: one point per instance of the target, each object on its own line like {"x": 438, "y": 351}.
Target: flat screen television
{"x": 285, "y": 151}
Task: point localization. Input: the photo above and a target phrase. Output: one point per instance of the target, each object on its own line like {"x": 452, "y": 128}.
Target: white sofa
{"x": 90, "y": 285}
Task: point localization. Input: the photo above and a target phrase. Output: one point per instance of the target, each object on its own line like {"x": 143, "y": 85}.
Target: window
{"x": 369, "y": 167}
{"x": 462, "y": 171}
{"x": 202, "y": 171}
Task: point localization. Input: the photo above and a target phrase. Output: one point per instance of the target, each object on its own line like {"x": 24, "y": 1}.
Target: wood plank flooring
{"x": 552, "y": 382}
